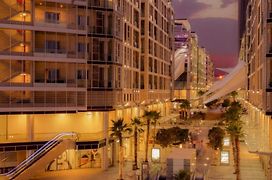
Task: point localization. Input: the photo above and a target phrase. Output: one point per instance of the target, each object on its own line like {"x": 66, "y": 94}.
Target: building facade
{"x": 256, "y": 51}
{"x": 193, "y": 66}
{"x": 77, "y": 65}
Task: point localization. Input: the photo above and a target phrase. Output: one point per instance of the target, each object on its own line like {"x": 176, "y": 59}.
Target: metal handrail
{"x": 37, "y": 154}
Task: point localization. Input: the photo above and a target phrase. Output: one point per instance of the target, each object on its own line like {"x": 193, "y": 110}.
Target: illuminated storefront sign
{"x": 226, "y": 141}
{"x": 156, "y": 154}
{"x": 224, "y": 157}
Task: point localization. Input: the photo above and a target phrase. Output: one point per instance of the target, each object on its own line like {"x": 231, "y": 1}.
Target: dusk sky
{"x": 216, "y": 23}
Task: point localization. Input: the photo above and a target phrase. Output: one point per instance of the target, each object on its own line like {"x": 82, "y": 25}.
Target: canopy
{"x": 234, "y": 80}
{"x": 180, "y": 58}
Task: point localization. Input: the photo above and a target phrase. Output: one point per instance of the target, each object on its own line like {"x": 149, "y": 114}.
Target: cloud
{"x": 225, "y": 3}
{"x": 221, "y": 9}
{"x": 206, "y": 8}
{"x": 187, "y": 8}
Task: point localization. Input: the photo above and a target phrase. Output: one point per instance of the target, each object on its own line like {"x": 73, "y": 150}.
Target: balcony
{"x": 269, "y": 53}
{"x": 33, "y": 100}
{"x": 269, "y": 17}
{"x": 100, "y": 31}
{"x": 101, "y": 4}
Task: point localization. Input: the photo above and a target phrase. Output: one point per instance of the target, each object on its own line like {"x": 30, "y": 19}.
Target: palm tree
{"x": 234, "y": 128}
{"x": 151, "y": 118}
{"x": 156, "y": 117}
{"x": 118, "y": 129}
{"x": 136, "y": 123}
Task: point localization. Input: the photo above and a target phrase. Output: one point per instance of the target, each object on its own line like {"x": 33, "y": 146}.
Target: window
{"x": 81, "y": 47}
{"x": 52, "y": 46}
{"x": 52, "y": 17}
{"x": 53, "y": 75}
{"x": 81, "y": 74}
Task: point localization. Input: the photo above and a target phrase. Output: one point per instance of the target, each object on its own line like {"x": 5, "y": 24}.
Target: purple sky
{"x": 215, "y": 22}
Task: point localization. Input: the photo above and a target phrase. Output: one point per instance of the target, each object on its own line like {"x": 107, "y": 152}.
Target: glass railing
{"x": 39, "y": 153}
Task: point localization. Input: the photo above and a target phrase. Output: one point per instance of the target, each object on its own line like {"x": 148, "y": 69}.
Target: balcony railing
{"x": 107, "y": 4}
{"x": 100, "y": 30}
{"x": 269, "y": 17}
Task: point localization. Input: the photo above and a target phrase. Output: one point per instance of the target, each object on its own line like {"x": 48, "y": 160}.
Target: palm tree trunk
{"x": 135, "y": 148}
{"x": 154, "y": 136}
{"x": 233, "y": 151}
{"x": 121, "y": 160}
{"x": 237, "y": 148}
{"x": 147, "y": 138}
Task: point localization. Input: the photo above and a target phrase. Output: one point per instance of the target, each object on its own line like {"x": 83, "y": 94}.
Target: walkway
{"x": 251, "y": 168}
{"x": 88, "y": 174}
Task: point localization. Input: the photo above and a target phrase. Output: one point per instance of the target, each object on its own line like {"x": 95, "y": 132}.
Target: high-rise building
{"x": 192, "y": 64}
{"x": 242, "y": 6}
{"x": 77, "y": 65}
{"x": 256, "y": 52}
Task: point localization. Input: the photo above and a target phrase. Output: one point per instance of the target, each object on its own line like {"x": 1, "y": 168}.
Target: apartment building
{"x": 73, "y": 66}
{"x": 256, "y": 52}
{"x": 209, "y": 73}
{"x": 193, "y": 66}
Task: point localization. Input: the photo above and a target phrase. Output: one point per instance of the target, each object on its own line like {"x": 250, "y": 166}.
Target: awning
{"x": 234, "y": 80}
{"x": 180, "y": 58}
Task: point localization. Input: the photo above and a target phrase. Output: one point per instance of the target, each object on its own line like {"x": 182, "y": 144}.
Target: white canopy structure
{"x": 234, "y": 80}
{"x": 180, "y": 59}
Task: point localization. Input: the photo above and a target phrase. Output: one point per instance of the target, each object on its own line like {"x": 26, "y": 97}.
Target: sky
{"x": 216, "y": 23}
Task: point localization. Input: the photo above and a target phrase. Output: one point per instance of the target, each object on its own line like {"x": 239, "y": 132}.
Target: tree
{"x": 182, "y": 175}
{"x": 234, "y": 94}
{"x": 172, "y": 136}
{"x": 226, "y": 103}
{"x": 200, "y": 93}
{"x": 136, "y": 123}
{"x": 163, "y": 138}
{"x": 210, "y": 104}
{"x": 234, "y": 128}
{"x": 118, "y": 129}
{"x": 156, "y": 117}
{"x": 216, "y": 136}
{"x": 150, "y": 117}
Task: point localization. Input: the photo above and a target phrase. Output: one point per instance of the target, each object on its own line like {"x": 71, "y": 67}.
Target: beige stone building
{"x": 76, "y": 65}
{"x": 193, "y": 71}
{"x": 256, "y": 52}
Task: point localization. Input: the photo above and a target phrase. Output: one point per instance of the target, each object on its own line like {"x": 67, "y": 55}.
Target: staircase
{"x": 37, "y": 161}
{"x": 251, "y": 168}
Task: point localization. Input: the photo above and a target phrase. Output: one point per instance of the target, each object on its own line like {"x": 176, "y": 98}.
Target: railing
{"x": 39, "y": 153}
{"x": 101, "y": 4}
{"x": 100, "y": 30}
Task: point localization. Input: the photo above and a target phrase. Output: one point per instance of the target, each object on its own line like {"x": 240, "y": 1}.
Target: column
{"x": 30, "y": 132}
{"x": 30, "y": 127}
{"x": 105, "y": 159}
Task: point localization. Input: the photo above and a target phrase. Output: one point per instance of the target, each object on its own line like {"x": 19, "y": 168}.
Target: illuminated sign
{"x": 226, "y": 141}
{"x": 156, "y": 154}
{"x": 224, "y": 157}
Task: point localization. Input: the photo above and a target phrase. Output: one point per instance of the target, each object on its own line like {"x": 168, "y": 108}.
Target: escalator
{"x": 37, "y": 161}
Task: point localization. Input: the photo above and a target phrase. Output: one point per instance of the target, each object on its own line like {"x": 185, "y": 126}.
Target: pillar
{"x": 105, "y": 159}
{"x": 30, "y": 127}
{"x": 270, "y": 168}
{"x": 30, "y": 132}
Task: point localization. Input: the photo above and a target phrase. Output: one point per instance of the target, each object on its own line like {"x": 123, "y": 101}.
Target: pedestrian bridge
{"x": 234, "y": 80}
